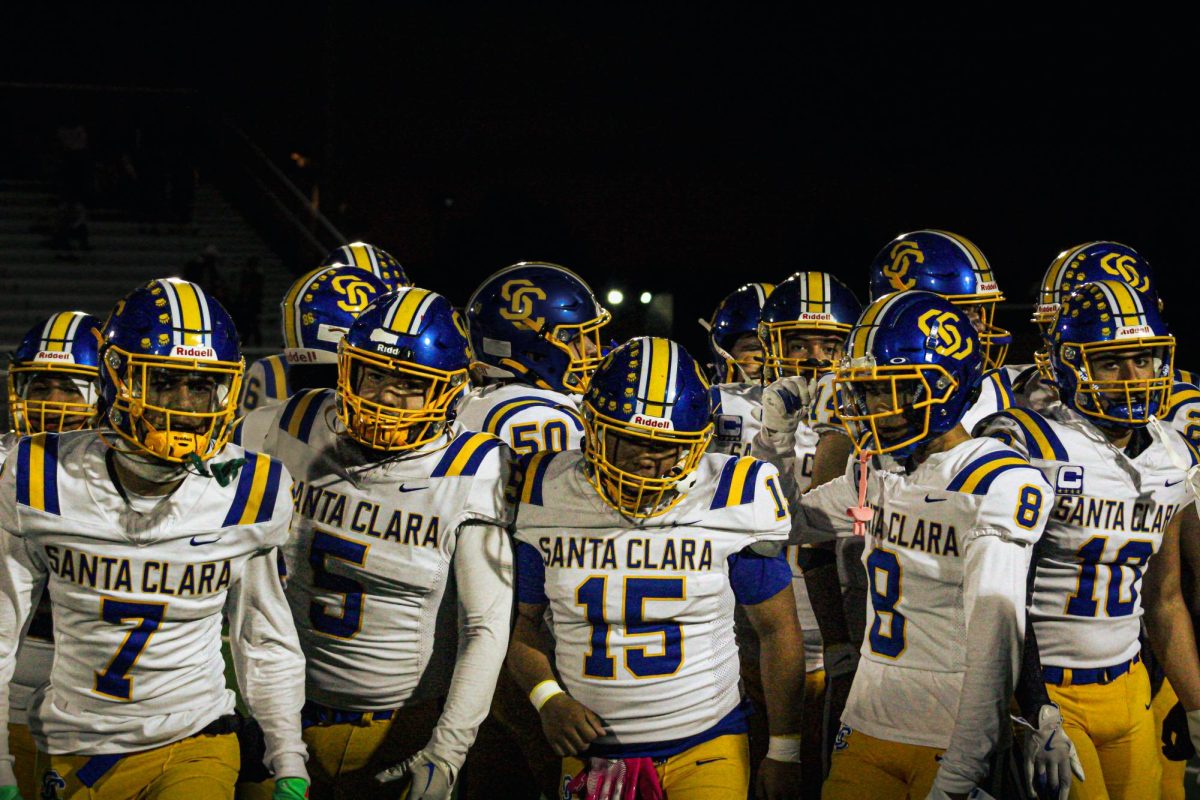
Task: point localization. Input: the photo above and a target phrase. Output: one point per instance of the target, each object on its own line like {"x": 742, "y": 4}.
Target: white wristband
{"x": 543, "y": 692}
{"x": 784, "y": 748}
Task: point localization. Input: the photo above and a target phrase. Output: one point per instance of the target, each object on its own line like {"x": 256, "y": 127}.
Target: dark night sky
{"x": 688, "y": 150}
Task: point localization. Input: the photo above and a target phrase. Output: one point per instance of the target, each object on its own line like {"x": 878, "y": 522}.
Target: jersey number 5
{"x": 346, "y": 624}
{"x": 597, "y": 663}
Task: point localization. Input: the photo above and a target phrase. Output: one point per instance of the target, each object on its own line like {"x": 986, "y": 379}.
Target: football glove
{"x": 1176, "y": 739}
{"x": 429, "y": 778}
{"x": 783, "y": 403}
{"x": 1050, "y": 757}
{"x": 290, "y": 789}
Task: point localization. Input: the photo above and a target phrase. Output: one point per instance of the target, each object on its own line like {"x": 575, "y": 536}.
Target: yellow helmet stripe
{"x": 59, "y": 330}
{"x": 361, "y": 256}
{"x": 1124, "y": 301}
{"x": 764, "y": 291}
{"x": 978, "y": 260}
{"x": 658, "y": 372}
{"x": 815, "y": 294}
{"x": 407, "y": 311}
{"x": 864, "y": 331}
{"x": 191, "y": 312}
{"x": 291, "y": 309}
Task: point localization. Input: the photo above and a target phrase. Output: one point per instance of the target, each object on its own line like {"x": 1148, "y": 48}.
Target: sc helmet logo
{"x": 358, "y": 293}
{"x": 520, "y": 294}
{"x": 1124, "y": 266}
{"x": 941, "y": 328}
{"x": 904, "y": 255}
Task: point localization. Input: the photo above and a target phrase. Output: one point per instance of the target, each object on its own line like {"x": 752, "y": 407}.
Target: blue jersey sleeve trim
{"x": 531, "y": 575}
{"x": 756, "y": 578}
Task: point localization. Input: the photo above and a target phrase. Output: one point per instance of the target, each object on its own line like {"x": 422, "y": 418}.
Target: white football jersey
{"x": 35, "y": 656}
{"x": 642, "y": 610}
{"x": 1108, "y": 519}
{"x": 528, "y": 419}
{"x": 1029, "y": 388}
{"x": 265, "y": 384}
{"x": 737, "y": 417}
{"x": 910, "y": 679}
{"x": 1183, "y": 412}
{"x": 138, "y": 599}
{"x": 371, "y": 554}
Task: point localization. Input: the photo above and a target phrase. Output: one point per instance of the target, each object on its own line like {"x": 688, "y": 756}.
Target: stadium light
{"x": 646, "y": 297}
{"x": 615, "y": 297}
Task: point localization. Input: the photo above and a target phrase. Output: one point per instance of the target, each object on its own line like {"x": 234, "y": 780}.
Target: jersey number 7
{"x": 115, "y": 681}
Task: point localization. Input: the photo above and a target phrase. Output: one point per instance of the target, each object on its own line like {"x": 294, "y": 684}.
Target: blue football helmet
{"x": 537, "y": 322}
{"x": 1097, "y": 321}
{"x": 171, "y": 371}
{"x": 1085, "y": 263}
{"x": 806, "y": 304}
{"x": 950, "y": 265}
{"x": 58, "y": 357}
{"x": 737, "y": 316}
{"x": 410, "y": 340}
{"x": 375, "y": 260}
{"x": 647, "y": 394}
{"x": 319, "y": 308}
{"x": 912, "y": 368}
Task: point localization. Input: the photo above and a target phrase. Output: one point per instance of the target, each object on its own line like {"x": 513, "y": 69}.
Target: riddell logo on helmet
{"x": 987, "y": 286}
{"x": 1134, "y": 331}
{"x": 807, "y": 317}
{"x": 294, "y": 355}
{"x": 653, "y": 422}
{"x": 51, "y": 355}
{"x": 187, "y": 351}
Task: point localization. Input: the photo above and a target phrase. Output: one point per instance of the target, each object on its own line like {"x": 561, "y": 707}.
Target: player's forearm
{"x": 269, "y": 663}
{"x": 528, "y": 661}
{"x": 1174, "y": 641}
{"x": 994, "y": 608}
{"x": 829, "y": 461}
{"x": 20, "y": 585}
{"x": 483, "y": 575}
{"x": 783, "y": 669}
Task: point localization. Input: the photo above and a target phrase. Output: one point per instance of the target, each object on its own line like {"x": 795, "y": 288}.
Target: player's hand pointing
{"x": 569, "y": 725}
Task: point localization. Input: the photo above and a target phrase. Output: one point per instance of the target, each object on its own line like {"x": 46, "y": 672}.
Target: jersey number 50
{"x": 597, "y": 663}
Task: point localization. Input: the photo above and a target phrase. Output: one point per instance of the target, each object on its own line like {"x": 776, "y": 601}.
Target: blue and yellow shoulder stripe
{"x": 1041, "y": 442}
{"x": 1187, "y": 376}
{"x": 464, "y": 455}
{"x": 1182, "y": 394}
{"x": 275, "y": 385}
{"x": 977, "y": 476}
{"x": 496, "y": 419}
{"x": 256, "y": 491}
{"x": 300, "y": 412}
{"x": 532, "y": 471}
{"x": 998, "y": 382}
{"x": 37, "y": 472}
{"x": 735, "y": 487}
{"x": 1192, "y": 451}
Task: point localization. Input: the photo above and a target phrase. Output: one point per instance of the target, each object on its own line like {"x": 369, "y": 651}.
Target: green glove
{"x": 285, "y": 789}
{"x": 10, "y": 793}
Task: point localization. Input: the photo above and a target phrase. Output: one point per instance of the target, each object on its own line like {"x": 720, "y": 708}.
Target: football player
{"x": 317, "y": 311}
{"x": 1121, "y": 495}
{"x": 535, "y": 331}
{"x": 633, "y": 552}
{"x": 803, "y": 326}
{"x": 535, "y": 334}
{"x": 53, "y": 385}
{"x": 393, "y": 506}
{"x": 948, "y": 542}
{"x": 949, "y": 265}
{"x": 272, "y": 379}
{"x": 737, "y": 353}
{"x": 145, "y": 541}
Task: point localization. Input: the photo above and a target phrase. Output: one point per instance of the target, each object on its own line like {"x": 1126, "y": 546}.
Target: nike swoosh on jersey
{"x": 709, "y": 761}
{"x": 685, "y": 524}
{"x": 428, "y": 767}
{"x": 195, "y": 543}
{"x": 1049, "y": 742}
{"x": 1174, "y": 483}
{"x": 929, "y": 499}
{"x": 404, "y": 488}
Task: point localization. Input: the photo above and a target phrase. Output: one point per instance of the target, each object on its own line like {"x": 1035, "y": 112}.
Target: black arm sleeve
{"x": 1031, "y": 689}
